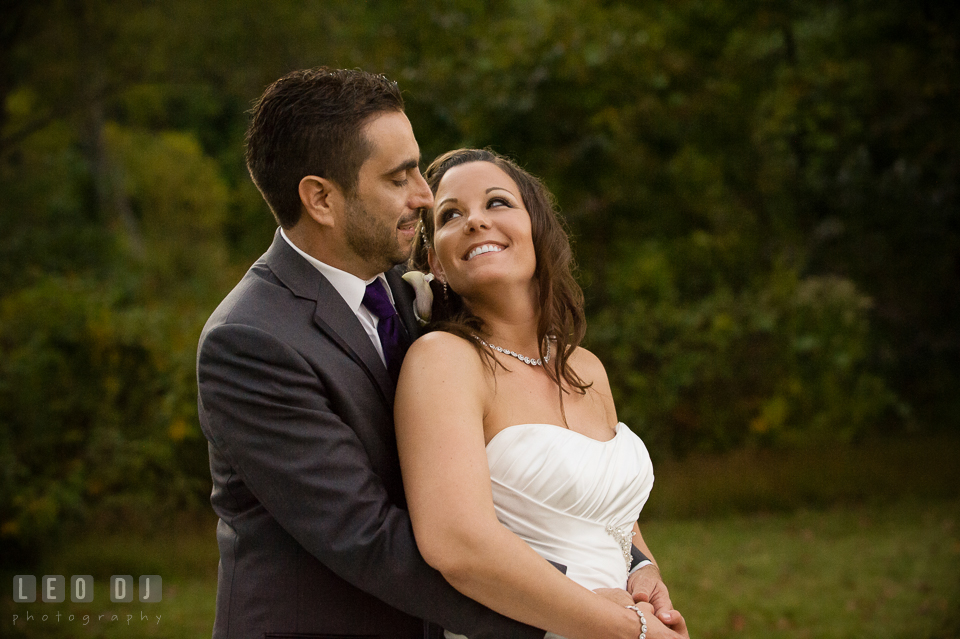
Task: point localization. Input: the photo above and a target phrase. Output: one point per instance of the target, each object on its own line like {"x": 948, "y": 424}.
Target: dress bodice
{"x": 560, "y": 490}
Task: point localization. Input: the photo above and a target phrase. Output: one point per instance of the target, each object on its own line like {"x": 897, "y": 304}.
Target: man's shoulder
{"x": 278, "y": 277}
{"x": 254, "y": 284}
{"x": 259, "y": 300}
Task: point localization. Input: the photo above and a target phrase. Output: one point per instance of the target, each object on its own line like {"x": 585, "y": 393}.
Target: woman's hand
{"x": 618, "y": 596}
{"x": 656, "y": 628}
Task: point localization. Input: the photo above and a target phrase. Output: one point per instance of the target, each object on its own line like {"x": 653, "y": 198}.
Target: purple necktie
{"x": 388, "y": 328}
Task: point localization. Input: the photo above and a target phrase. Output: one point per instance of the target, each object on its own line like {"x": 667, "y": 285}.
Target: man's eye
{"x": 400, "y": 182}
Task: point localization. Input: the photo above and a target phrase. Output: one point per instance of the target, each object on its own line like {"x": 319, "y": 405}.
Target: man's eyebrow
{"x": 404, "y": 166}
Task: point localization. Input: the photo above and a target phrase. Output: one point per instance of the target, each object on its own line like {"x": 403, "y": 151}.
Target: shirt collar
{"x": 350, "y": 287}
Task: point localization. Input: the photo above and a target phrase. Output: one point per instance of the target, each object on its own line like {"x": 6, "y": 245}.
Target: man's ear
{"x": 434, "y": 263}
{"x": 321, "y": 199}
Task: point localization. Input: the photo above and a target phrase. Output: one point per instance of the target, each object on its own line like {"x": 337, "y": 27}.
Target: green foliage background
{"x": 763, "y": 197}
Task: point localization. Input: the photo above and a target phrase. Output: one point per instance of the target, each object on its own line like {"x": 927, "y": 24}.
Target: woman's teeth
{"x": 486, "y": 248}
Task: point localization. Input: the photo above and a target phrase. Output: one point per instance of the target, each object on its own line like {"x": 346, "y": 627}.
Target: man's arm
{"x": 270, "y": 414}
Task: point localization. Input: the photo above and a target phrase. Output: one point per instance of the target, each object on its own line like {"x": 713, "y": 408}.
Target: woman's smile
{"x": 482, "y": 249}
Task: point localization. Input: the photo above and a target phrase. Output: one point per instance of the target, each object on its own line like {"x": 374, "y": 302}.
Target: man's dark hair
{"x": 310, "y": 122}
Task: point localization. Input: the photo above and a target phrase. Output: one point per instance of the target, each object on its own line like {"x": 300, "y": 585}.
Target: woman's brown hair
{"x": 561, "y": 318}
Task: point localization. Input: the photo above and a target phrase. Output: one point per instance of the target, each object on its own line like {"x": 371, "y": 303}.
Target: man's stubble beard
{"x": 371, "y": 239}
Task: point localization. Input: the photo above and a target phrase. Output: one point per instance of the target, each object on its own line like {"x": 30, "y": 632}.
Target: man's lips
{"x": 407, "y": 225}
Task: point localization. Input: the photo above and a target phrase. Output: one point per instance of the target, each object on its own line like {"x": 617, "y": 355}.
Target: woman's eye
{"x": 497, "y": 201}
{"x": 449, "y": 214}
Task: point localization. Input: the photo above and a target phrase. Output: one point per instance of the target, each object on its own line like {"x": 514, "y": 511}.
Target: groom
{"x": 296, "y": 371}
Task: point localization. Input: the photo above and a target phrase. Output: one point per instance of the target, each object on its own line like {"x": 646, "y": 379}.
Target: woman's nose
{"x": 477, "y": 219}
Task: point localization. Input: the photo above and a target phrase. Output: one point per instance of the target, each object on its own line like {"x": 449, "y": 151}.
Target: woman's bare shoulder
{"x": 591, "y": 371}
{"x": 440, "y": 343}
{"x": 441, "y": 367}
{"x": 442, "y": 352}
{"x": 589, "y": 367}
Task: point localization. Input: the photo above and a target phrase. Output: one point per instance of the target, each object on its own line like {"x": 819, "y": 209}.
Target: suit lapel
{"x": 332, "y": 315}
{"x": 335, "y": 318}
{"x": 403, "y": 299}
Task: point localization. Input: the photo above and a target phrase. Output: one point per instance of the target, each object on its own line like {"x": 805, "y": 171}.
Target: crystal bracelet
{"x": 643, "y": 621}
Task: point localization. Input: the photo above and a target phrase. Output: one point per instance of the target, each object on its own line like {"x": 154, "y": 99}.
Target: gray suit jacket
{"x": 297, "y": 407}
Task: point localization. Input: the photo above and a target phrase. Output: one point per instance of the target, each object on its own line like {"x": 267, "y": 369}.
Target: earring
{"x": 445, "y": 297}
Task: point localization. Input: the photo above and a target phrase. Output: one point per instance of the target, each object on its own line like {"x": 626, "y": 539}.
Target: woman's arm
{"x": 442, "y": 396}
{"x": 644, "y": 584}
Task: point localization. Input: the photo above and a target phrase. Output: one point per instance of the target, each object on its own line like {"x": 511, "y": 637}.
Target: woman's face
{"x": 483, "y": 236}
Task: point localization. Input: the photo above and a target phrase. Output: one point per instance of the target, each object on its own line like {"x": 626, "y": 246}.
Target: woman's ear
{"x": 434, "y": 263}
{"x": 321, "y": 199}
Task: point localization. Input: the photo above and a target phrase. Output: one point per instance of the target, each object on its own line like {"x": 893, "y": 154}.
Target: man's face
{"x": 380, "y": 219}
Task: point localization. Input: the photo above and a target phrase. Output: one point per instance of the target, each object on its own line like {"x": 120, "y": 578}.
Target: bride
{"x": 509, "y": 442}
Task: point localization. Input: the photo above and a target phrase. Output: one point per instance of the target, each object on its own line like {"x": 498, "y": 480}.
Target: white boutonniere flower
{"x": 423, "y": 304}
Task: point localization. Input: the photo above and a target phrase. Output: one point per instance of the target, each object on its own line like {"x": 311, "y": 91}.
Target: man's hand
{"x": 657, "y": 630}
{"x": 646, "y": 585}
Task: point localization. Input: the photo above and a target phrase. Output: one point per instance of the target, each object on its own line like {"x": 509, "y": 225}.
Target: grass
{"x": 185, "y": 558}
{"x": 890, "y": 570}
{"x": 831, "y": 543}
{"x": 748, "y": 481}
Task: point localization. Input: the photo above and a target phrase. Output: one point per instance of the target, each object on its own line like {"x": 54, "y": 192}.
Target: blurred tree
{"x": 763, "y": 195}
{"x": 729, "y": 134}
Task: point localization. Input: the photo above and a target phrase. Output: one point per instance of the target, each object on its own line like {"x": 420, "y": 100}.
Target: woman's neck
{"x": 510, "y": 318}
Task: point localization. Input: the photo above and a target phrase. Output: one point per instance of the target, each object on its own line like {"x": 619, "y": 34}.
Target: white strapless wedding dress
{"x": 563, "y": 493}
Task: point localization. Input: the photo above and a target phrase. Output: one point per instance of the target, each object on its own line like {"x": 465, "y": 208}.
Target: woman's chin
{"x": 493, "y": 284}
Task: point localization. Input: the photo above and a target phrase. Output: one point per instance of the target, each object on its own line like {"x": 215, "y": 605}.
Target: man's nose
{"x": 423, "y": 197}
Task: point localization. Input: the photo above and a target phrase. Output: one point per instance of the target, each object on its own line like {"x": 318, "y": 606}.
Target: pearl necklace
{"x": 522, "y": 358}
